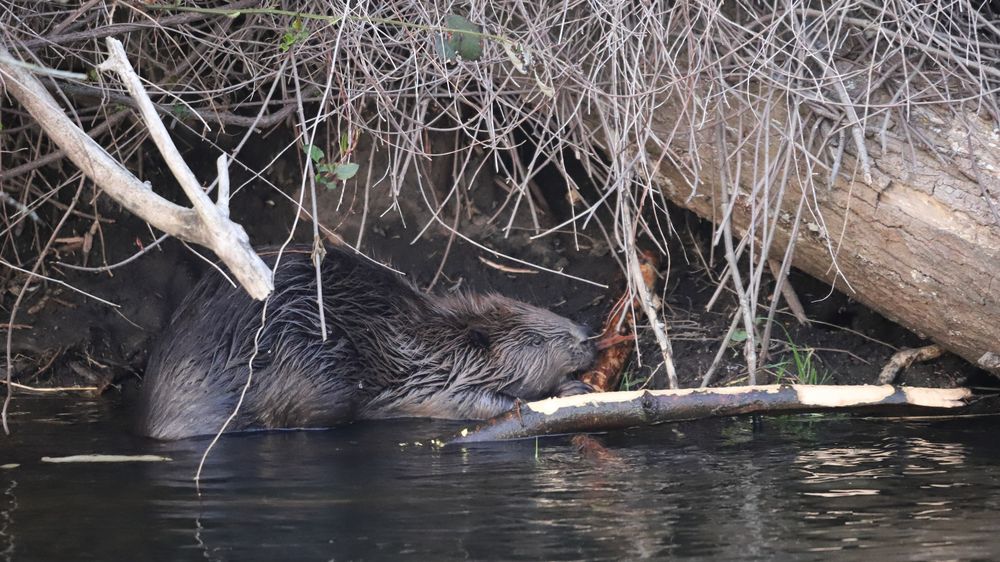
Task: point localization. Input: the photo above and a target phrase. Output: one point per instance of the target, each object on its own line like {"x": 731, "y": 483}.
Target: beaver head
{"x": 524, "y": 351}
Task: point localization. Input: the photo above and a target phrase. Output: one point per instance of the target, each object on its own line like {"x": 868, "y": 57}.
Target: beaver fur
{"x": 391, "y": 351}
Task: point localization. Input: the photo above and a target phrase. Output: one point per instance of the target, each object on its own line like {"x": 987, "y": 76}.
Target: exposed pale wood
{"x": 604, "y": 411}
{"x": 903, "y": 358}
{"x": 93, "y": 160}
{"x": 789, "y": 294}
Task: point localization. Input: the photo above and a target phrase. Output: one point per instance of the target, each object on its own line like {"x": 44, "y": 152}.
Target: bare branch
{"x": 605, "y": 411}
{"x": 206, "y": 225}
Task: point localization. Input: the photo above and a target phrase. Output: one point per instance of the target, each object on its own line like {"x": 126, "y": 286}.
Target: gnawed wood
{"x": 618, "y": 410}
{"x": 616, "y": 341}
{"x": 101, "y": 458}
{"x": 902, "y": 359}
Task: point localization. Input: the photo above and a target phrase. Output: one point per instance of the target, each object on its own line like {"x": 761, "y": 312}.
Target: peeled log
{"x": 921, "y": 244}
{"x": 604, "y": 411}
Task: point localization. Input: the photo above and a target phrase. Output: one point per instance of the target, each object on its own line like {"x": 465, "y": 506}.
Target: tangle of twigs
{"x": 581, "y": 79}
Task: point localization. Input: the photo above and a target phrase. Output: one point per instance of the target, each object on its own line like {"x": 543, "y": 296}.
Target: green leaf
{"x": 461, "y": 39}
{"x": 346, "y": 171}
{"x": 738, "y": 336}
{"x": 315, "y": 153}
{"x": 296, "y": 33}
{"x": 179, "y": 111}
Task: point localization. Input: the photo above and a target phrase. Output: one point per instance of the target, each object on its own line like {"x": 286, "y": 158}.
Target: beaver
{"x": 391, "y": 351}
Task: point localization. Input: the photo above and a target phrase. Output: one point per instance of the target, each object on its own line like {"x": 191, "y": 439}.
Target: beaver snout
{"x": 584, "y": 349}
{"x": 583, "y": 334}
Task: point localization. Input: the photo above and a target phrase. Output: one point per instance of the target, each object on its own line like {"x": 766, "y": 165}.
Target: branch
{"x": 616, "y": 341}
{"x": 604, "y": 411}
{"x": 201, "y": 114}
{"x": 642, "y": 284}
{"x": 902, "y": 359}
{"x": 207, "y": 224}
{"x": 126, "y": 28}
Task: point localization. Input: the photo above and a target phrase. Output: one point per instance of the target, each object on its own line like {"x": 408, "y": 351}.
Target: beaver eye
{"x": 535, "y": 340}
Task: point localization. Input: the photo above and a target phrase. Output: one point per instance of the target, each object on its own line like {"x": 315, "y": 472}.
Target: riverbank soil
{"x": 444, "y": 239}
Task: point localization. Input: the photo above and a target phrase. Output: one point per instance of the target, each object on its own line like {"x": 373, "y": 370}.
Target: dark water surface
{"x": 795, "y": 488}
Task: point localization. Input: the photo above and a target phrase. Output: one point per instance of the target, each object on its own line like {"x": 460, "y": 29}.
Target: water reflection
{"x": 794, "y": 488}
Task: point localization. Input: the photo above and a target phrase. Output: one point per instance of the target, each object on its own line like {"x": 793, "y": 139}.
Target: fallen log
{"x": 606, "y": 411}
{"x": 920, "y": 243}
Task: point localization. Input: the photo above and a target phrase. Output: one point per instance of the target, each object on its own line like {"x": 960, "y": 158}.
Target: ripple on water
{"x": 798, "y": 487}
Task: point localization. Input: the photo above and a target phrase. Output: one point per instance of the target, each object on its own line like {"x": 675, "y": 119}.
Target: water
{"x": 804, "y": 488}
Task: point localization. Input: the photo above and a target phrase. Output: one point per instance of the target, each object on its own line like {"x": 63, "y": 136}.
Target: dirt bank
{"x": 63, "y": 338}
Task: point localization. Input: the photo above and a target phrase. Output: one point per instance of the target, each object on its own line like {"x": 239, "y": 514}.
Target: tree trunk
{"x": 920, "y": 244}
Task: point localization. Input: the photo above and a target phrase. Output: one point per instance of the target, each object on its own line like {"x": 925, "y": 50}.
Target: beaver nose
{"x": 582, "y": 333}
{"x": 585, "y": 349}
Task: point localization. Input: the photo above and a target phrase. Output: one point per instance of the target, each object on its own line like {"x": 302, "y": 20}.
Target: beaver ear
{"x": 479, "y": 337}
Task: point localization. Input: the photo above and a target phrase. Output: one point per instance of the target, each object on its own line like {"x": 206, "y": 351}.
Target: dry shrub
{"x": 581, "y": 79}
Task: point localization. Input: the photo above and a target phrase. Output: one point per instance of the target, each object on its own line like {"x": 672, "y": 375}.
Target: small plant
{"x": 461, "y": 40}
{"x": 806, "y": 370}
{"x": 803, "y": 367}
{"x": 329, "y": 173}
{"x": 296, "y": 33}
{"x": 180, "y": 111}
{"x": 739, "y": 336}
{"x": 626, "y": 383}
{"x": 631, "y": 381}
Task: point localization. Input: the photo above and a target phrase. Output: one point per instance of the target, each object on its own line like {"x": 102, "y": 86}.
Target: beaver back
{"x": 390, "y": 351}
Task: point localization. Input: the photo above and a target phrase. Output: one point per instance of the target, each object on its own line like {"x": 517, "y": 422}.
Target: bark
{"x": 616, "y": 341}
{"x": 920, "y": 244}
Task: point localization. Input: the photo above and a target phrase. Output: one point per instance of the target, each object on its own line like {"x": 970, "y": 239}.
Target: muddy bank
{"x": 63, "y": 338}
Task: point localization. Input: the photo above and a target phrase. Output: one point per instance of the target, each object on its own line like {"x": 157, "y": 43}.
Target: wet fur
{"x": 391, "y": 351}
